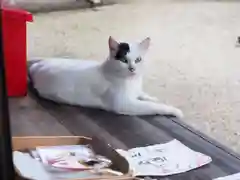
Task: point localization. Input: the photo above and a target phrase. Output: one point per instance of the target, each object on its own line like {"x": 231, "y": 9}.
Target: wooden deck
{"x": 34, "y": 116}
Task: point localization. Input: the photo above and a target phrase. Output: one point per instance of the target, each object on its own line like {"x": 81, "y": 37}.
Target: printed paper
{"x": 163, "y": 159}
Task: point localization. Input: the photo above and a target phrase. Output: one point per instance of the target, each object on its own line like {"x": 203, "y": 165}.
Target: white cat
{"x": 114, "y": 85}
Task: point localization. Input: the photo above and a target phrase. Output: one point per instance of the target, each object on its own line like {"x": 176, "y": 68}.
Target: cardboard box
{"x": 119, "y": 163}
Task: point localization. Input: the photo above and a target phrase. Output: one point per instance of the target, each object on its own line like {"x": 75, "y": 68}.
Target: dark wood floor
{"x": 34, "y": 116}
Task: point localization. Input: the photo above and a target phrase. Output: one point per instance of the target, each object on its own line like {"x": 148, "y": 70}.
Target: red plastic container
{"x": 15, "y": 49}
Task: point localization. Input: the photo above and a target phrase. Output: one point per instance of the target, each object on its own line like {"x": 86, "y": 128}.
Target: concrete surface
{"x": 192, "y": 63}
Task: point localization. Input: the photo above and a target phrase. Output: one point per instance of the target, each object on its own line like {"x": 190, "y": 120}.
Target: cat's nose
{"x": 132, "y": 69}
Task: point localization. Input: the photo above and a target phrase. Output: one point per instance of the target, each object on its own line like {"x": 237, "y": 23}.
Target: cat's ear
{"x": 113, "y": 44}
{"x": 144, "y": 45}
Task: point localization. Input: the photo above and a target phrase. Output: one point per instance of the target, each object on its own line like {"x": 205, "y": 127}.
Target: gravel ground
{"x": 193, "y": 62}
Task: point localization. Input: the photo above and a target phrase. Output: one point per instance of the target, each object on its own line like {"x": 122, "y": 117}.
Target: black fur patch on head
{"x": 123, "y": 49}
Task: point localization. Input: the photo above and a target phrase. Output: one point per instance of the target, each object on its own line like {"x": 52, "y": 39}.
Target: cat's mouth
{"x": 132, "y": 70}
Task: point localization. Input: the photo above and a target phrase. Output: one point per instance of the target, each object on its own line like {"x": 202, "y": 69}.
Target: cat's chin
{"x": 132, "y": 73}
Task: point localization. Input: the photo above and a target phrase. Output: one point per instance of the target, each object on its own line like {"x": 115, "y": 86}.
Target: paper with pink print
{"x": 163, "y": 159}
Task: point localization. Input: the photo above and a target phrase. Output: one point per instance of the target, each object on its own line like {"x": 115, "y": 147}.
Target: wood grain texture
{"x": 35, "y": 116}
{"x": 28, "y": 118}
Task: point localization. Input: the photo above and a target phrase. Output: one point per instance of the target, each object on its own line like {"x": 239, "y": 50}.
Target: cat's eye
{"x": 124, "y": 60}
{"x": 139, "y": 59}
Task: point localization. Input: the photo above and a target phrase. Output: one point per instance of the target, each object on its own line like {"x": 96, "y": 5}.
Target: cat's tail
{"x": 32, "y": 61}
{"x": 30, "y": 65}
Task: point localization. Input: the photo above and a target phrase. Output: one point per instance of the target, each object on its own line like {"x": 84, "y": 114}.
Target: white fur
{"x": 109, "y": 85}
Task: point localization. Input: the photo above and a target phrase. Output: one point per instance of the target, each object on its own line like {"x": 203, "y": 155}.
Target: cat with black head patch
{"x": 113, "y": 85}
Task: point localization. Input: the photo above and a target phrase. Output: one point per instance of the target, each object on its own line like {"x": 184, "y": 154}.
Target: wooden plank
{"x": 138, "y": 132}
{"x": 120, "y": 131}
{"x": 30, "y": 119}
{"x": 133, "y": 131}
{"x": 78, "y": 123}
{"x": 206, "y": 138}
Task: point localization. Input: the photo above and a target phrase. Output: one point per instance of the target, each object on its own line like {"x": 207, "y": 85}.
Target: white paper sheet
{"x": 29, "y": 168}
{"x": 163, "y": 159}
{"x": 230, "y": 177}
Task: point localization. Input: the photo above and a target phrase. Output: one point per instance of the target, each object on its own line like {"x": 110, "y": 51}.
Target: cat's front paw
{"x": 153, "y": 99}
{"x": 170, "y": 110}
{"x": 146, "y": 97}
{"x": 178, "y": 113}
